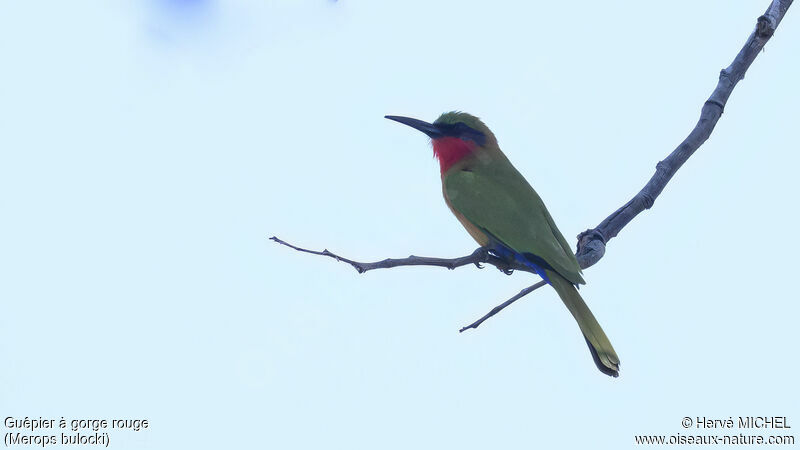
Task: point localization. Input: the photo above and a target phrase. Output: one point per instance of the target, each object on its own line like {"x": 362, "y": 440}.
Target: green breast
{"x": 491, "y": 195}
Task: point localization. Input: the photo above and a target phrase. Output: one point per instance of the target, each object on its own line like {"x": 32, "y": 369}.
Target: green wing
{"x": 495, "y": 197}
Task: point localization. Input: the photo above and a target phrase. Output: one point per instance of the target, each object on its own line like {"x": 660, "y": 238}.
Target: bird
{"x": 502, "y": 212}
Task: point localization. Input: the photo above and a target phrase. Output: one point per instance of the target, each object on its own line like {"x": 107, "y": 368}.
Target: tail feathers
{"x": 603, "y": 353}
{"x": 611, "y": 369}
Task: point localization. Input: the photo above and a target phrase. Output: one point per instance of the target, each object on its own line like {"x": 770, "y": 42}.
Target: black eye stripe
{"x": 463, "y": 131}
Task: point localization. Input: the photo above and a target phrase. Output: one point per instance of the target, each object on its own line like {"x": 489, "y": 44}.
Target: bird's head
{"x": 455, "y": 136}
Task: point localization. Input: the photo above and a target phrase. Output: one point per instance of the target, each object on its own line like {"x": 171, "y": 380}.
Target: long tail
{"x": 602, "y": 352}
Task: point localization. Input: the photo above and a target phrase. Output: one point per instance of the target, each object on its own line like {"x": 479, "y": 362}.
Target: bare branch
{"x": 501, "y": 306}
{"x": 591, "y": 243}
{"x": 478, "y": 257}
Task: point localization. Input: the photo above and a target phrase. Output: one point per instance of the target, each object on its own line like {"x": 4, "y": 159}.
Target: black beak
{"x": 428, "y": 128}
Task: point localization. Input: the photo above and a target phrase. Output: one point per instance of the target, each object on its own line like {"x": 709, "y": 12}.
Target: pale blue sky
{"x": 149, "y": 148}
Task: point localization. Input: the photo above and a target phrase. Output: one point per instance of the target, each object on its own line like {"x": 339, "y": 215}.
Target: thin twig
{"x": 501, "y": 306}
{"x": 478, "y": 257}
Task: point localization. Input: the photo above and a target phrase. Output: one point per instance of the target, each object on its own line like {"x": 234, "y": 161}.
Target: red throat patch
{"x": 450, "y": 150}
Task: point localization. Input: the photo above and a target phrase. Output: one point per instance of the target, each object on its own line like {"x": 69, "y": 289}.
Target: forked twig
{"x": 479, "y": 256}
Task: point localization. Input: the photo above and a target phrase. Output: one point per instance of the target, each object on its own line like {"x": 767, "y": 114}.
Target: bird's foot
{"x": 506, "y": 270}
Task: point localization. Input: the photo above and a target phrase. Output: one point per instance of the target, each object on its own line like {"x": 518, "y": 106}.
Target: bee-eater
{"x": 501, "y": 211}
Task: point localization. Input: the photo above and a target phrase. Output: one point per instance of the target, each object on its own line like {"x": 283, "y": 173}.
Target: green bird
{"x": 503, "y": 213}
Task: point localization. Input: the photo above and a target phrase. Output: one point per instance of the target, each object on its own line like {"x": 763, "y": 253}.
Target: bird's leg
{"x": 482, "y": 256}
{"x": 503, "y": 264}
{"x": 506, "y": 270}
